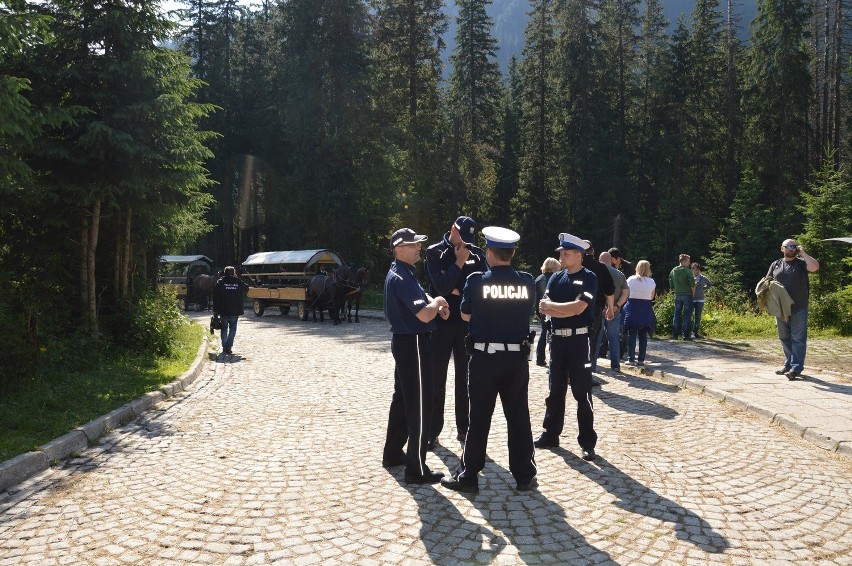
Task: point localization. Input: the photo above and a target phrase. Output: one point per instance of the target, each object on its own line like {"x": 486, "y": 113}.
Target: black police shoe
{"x": 589, "y": 454}
{"x": 428, "y": 477}
{"x": 528, "y": 485}
{"x": 398, "y": 460}
{"x": 791, "y": 375}
{"x": 782, "y": 371}
{"x": 457, "y": 485}
{"x": 545, "y": 441}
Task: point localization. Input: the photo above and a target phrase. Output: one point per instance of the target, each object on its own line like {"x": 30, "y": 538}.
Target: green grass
{"x": 724, "y": 323}
{"x": 36, "y": 411}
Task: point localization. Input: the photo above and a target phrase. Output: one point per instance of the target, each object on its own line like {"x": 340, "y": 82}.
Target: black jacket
{"x": 606, "y": 286}
{"x": 228, "y": 296}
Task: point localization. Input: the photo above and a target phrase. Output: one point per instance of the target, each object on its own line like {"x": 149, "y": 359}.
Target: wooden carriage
{"x": 280, "y": 279}
{"x": 173, "y": 270}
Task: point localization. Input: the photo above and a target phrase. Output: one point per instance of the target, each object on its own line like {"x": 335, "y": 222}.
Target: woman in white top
{"x": 639, "y": 316}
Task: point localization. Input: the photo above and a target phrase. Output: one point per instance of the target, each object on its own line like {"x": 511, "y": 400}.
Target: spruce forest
{"x": 304, "y": 124}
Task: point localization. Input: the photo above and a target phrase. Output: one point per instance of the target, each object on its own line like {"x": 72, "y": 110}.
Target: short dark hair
{"x": 503, "y": 254}
{"x": 615, "y": 253}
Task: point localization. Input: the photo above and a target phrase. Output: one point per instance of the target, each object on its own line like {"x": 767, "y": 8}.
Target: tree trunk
{"x": 838, "y": 67}
{"x": 125, "y": 256}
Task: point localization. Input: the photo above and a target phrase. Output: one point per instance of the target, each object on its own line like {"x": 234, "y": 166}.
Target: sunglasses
{"x": 793, "y": 247}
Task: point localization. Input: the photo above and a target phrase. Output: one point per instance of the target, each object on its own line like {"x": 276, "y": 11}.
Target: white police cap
{"x": 571, "y": 242}
{"x": 497, "y": 237}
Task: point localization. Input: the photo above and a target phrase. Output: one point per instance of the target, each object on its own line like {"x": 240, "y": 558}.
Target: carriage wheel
{"x": 258, "y": 307}
{"x": 285, "y": 309}
{"x": 302, "y": 310}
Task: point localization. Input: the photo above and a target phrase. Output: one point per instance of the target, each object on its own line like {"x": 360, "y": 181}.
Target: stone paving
{"x": 273, "y": 456}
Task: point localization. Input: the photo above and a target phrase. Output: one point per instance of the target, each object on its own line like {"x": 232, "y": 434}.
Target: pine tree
{"x": 536, "y": 198}
{"x": 475, "y": 78}
{"x": 776, "y": 93}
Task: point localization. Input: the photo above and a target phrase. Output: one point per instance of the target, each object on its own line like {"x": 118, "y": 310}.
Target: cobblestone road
{"x": 274, "y": 456}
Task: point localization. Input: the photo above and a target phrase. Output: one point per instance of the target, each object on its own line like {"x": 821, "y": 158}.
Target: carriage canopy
{"x": 182, "y": 265}
{"x": 293, "y": 262}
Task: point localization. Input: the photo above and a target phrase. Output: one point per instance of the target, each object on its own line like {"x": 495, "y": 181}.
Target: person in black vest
{"x": 228, "y": 303}
{"x": 498, "y": 304}
{"x": 569, "y": 301}
{"x": 448, "y": 263}
{"x": 411, "y": 313}
{"x": 604, "y": 306}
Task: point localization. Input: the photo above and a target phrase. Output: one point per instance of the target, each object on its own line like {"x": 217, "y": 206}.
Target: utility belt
{"x": 570, "y": 331}
{"x": 493, "y": 347}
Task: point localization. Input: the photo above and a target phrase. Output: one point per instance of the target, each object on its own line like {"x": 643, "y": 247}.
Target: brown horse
{"x": 328, "y": 291}
{"x": 358, "y": 279}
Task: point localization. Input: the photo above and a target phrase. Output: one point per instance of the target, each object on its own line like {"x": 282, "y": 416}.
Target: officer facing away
{"x": 498, "y": 304}
{"x": 411, "y": 313}
{"x": 448, "y": 263}
{"x": 569, "y": 300}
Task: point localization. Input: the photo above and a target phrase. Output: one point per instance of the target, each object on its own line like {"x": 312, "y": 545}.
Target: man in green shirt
{"x": 682, "y": 282}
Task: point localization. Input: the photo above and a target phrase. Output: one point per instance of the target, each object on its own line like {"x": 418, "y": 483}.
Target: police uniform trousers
{"x": 410, "y": 411}
{"x": 506, "y": 374}
{"x": 570, "y": 364}
{"x": 448, "y": 339}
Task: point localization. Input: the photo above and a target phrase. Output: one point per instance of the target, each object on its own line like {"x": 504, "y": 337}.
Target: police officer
{"x": 569, "y": 300}
{"x": 411, "y": 313}
{"x": 498, "y": 304}
{"x": 448, "y": 263}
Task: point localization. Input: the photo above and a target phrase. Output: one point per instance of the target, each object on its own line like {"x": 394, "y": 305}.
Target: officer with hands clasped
{"x": 411, "y": 313}
{"x": 498, "y": 304}
{"x": 569, "y": 300}
{"x": 448, "y": 263}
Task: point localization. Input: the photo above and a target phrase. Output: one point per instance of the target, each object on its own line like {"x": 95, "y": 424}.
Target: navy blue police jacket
{"x": 228, "y": 296}
{"x": 404, "y": 297}
{"x": 444, "y": 275}
{"x": 565, "y": 287}
{"x": 500, "y": 302}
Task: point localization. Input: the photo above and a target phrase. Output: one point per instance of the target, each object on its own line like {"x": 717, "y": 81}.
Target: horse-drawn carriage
{"x": 189, "y": 277}
{"x": 282, "y": 279}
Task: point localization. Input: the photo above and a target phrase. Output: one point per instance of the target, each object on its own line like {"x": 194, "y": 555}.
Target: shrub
{"x": 832, "y": 311}
{"x": 664, "y": 307}
{"x": 154, "y": 321}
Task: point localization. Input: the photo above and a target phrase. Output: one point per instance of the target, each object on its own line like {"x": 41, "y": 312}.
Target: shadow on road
{"x": 637, "y": 498}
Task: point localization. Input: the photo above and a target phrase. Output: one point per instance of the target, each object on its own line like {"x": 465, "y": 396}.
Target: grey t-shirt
{"x": 793, "y": 276}
{"x": 618, "y": 280}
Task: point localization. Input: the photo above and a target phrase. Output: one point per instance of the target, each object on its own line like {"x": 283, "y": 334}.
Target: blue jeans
{"x": 229, "y": 330}
{"x": 682, "y": 316}
{"x": 697, "y": 308}
{"x": 631, "y": 343}
{"x": 794, "y": 338}
{"x": 611, "y": 328}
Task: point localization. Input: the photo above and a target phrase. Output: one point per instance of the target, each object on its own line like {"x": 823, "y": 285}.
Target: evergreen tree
{"x": 776, "y": 93}
{"x": 510, "y": 145}
{"x": 407, "y": 49}
{"x": 537, "y": 195}
{"x": 475, "y": 79}
{"x": 133, "y": 160}
{"x": 827, "y": 209}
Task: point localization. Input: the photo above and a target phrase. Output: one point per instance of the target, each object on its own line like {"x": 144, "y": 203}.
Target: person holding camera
{"x": 791, "y": 271}
{"x": 448, "y": 263}
{"x": 498, "y": 304}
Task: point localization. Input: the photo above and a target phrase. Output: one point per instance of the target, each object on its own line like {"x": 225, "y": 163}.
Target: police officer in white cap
{"x": 498, "y": 304}
{"x": 411, "y": 313}
{"x": 569, "y": 300}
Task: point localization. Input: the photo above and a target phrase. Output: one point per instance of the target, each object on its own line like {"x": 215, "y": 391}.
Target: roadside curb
{"x": 21, "y": 467}
{"x": 843, "y": 449}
